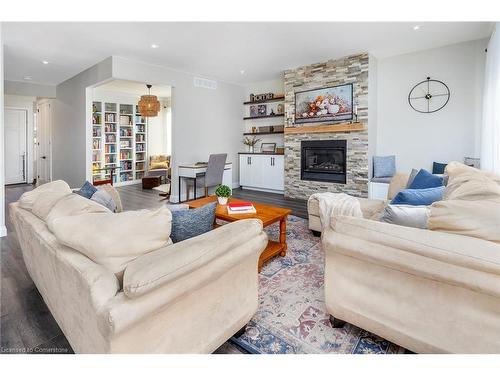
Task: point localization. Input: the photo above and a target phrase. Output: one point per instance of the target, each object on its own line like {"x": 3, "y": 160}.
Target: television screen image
{"x": 326, "y": 104}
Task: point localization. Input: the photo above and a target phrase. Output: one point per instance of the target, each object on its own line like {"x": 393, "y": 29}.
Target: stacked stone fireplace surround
{"x": 351, "y": 69}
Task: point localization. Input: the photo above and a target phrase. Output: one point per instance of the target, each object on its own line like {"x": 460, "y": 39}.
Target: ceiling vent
{"x": 205, "y": 83}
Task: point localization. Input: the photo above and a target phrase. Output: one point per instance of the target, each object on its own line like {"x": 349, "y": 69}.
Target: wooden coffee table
{"x": 267, "y": 214}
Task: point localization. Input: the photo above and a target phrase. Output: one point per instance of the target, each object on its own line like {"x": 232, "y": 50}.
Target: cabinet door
{"x": 255, "y": 171}
{"x": 273, "y": 172}
{"x": 244, "y": 170}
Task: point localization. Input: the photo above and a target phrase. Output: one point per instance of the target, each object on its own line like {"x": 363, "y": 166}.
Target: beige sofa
{"x": 428, "y": 291}
{"x": 189, "y": 297}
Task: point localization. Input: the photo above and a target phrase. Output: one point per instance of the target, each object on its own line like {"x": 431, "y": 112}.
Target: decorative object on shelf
{"x": 149, "y": 105}
{"x": 326, "y": 104}
{"x": 280, "y": 109}
{"x": 269, "y": 148}
{"x": 262, "y": 110}
{"x": 280, "y": 150}
{"x": 429, "y": 96}
{"x": 223, "y": 192}
{"x": 265, "y": 129}
{"x": 254, "y": 129}
{"x": 250, "y": 142}
{"x": 261, "y": 97}
{"x": 272, "y": 112}
{"x": 277, "y": 128}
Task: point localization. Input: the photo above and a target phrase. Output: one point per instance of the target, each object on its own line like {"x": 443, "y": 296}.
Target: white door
{"x": 16, "y": 124}
{"x": 44, "y": 154}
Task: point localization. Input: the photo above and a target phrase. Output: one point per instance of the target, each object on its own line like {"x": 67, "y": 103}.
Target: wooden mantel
{"x": 327, "y": 128}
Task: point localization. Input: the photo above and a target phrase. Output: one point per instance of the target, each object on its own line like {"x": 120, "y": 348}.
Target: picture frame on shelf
{"x": 254, "y": 111}
{"x": 262, "y": 110}
{"x": 268, "y": 148}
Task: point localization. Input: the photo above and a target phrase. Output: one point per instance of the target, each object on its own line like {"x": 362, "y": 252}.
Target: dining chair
{"x": 215, "y": 169}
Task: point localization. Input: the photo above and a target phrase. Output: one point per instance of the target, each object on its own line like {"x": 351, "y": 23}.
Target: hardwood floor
{"x": 26, "y": 324}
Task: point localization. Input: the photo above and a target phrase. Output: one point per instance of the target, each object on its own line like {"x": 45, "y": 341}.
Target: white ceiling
{"x": 216, "y": 50}
{"x": 135, "y": 88}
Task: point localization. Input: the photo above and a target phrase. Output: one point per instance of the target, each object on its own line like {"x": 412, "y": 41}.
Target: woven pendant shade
{"x": 149, "y": 105}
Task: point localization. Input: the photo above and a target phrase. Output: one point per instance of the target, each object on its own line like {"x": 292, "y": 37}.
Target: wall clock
{"x": 429, "y": 96}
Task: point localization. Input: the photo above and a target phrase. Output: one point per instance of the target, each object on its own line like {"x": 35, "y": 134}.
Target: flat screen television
{"x": 326, "y": 104}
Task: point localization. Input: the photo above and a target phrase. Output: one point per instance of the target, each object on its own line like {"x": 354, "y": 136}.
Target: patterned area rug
{"x": 292, "y": 315}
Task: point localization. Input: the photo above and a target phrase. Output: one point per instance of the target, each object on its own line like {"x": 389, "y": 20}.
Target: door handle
{"x": 24, "y": 166}
{"x": 43, "y": 157}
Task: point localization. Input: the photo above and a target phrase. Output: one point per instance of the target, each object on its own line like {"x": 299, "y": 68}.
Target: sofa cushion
{"x": 398, "y": 183}
{"x": 471, "y": 206}
{"x": 113, "y": 240}
{"x": 413, "y": 173}
{"x": 407, "y": 216}
{"x": 370, "y": 208}
{"x": 425, "y": 180}
{"x": 191, "y": 223}
{"x": 87, "y": 190}
{"x": 384, "y": 166}
{"x": 74, "y": 204}
{"x": 419, "y": 197}
{"x": 105, "y": 199}
{"x": 110, "y": 189}
{"x": 41, "y": 200}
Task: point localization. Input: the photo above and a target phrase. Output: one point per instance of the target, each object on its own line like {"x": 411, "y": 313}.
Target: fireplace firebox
{"x": 324, "y": 161}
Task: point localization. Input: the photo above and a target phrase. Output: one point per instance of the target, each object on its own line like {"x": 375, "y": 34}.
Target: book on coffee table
{"x": 240, "y": 208}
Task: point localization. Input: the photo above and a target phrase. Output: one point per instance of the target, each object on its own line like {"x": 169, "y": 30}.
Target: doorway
{"x": 44, "y": 142}
{"x": 16, "y": 145}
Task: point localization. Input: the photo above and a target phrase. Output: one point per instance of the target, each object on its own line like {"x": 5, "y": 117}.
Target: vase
{"x": 250, "y": 148}
{"x": 222, "y": 200}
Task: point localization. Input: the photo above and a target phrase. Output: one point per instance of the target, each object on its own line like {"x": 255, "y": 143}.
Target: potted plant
{"x": 223, "y": 192}
{"x": 250, "y": 142}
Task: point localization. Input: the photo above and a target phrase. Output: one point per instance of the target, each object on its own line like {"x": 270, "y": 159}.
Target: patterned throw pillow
{"x": 87, "y": 190}
{"x": 191, "y": 223}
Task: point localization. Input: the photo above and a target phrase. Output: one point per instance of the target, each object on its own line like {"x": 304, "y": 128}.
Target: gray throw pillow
{"x": 413, "y": 173}
{"x": 177, "y": 207}
{"x": 104, "y": 198}
{"x": 384, "y": 166}
{"x": 192, "y": 223}
{"x": 407, "y": 216}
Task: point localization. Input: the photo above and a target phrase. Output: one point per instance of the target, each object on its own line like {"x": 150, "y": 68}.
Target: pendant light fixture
{"x": 149, "y": 105}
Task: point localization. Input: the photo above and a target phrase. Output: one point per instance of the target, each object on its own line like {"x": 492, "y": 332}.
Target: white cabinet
{"x": 262, "y": 172}
{"x": 378, "y": 190}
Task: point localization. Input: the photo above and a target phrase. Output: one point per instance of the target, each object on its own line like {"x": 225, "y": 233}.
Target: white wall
{"x": 276, "y": 87}
{"x": 29, "y": 89}
{"x": 418, "y": 139}
{"x": 3, "y": 230}
{"x": 27, "y": 103}
{"x": 204, "y": 121}
{"x": 71, "y": 136}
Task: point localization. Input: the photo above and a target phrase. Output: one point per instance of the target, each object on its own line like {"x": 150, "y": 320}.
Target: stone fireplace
{"x": 329, "y": 156}
{"x": 323, "y": 161}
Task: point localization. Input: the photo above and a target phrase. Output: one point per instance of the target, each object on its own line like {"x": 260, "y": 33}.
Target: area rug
{"x": 292, "y": 316}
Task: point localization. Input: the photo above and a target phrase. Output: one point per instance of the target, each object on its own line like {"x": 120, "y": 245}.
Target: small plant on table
{"x": 223, "y": 192}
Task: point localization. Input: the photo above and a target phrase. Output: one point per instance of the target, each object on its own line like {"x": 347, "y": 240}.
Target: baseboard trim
{"x": 3, "y": 231}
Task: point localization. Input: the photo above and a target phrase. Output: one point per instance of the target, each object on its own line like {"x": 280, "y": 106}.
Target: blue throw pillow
{"x": 87, "y": 190}
{"x": 419, "y": 197}
{"x": 425, "y": 180}
{"x": 192, "y": 223}
{"x": 384, "y": 166}
{"x": 438, "y": 168}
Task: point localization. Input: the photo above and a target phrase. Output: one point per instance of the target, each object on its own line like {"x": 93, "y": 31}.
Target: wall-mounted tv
{"x": 326, "y": 104}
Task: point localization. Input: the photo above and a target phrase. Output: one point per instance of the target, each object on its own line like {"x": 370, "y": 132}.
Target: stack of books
{"x": 240, "y": 208}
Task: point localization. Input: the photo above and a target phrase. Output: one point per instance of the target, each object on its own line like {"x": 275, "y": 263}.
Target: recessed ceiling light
{"x": 416, "y": 27}
{"x": 45, "y": 62}
{"x": 242, "y": 71}
{"x": 28, "y": 78}
{"x": 154, "y": 46}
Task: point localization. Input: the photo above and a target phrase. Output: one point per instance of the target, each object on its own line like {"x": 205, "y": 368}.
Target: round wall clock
{"x": 429, "y": 96}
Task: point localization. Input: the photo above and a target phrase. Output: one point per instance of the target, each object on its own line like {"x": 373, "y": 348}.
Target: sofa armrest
{"x": 470, "y": 262}
{"x": 164, "y": 265}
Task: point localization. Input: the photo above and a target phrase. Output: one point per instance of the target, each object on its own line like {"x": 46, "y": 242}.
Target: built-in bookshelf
{"x": 119, "y": 135}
